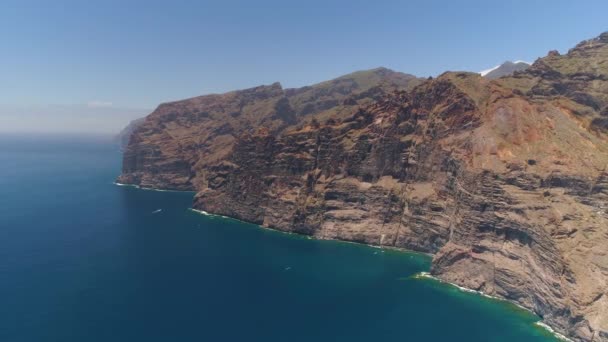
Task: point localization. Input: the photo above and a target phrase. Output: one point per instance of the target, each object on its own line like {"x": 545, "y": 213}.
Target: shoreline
{"x": 310, "y": 237}
{"x": 421, "y": 275}
{"x": 539, "y": 323}
{"x": 135, "y": 186}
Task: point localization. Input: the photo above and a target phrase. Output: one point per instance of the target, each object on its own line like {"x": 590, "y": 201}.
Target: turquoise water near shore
{"x": 82, "y": 259}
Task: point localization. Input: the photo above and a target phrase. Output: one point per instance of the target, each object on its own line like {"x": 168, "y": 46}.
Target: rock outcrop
{"x": 504, "y": 181}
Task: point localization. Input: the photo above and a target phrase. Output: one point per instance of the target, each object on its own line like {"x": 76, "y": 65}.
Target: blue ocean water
{"x": 82, "y": 259}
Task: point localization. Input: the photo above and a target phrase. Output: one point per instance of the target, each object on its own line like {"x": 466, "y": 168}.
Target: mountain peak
{"x": 504, "y": 69}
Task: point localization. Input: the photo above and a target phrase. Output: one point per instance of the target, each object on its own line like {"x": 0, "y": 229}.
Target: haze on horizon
{"x": 74, "y": 66}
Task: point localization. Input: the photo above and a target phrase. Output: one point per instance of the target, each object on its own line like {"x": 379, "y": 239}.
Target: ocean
{"x": 82, "y": 259}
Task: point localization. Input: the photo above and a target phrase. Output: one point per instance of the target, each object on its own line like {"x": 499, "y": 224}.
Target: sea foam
{"x": 148, "y": 189}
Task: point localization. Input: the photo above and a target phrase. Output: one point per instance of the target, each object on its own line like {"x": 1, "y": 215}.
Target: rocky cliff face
{"x": 505, "y": 181}
{"x": 176, "y": 144}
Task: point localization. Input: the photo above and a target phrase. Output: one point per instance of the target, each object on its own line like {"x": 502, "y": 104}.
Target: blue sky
{"x": 132, "y": 55}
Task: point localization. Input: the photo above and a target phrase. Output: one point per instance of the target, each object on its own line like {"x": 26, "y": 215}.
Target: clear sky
{"x": 122, "y": 58}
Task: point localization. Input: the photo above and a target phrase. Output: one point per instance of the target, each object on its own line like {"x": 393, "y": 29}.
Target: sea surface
{"x": 82, "y": 259}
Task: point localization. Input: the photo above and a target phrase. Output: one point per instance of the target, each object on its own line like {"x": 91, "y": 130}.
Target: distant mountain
{"x": 505, "y": 69}
{"x": 124, "y": 135}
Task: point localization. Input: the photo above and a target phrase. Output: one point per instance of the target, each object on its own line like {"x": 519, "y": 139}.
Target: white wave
{"x": 148, "y": 189}
{"x": 203, "y": 212}
{"x": 420, "y": 275}
{"x": 555, "y": 333}
{"x": 208, "y": 214}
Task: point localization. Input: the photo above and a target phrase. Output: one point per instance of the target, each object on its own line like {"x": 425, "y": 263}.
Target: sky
{"x": 93, "y": 66}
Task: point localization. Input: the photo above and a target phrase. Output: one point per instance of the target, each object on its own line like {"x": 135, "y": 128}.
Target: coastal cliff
{"x": 504, "y": 181}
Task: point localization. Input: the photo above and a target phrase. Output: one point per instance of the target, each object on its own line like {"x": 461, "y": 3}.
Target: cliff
{"x": 177, "y": 143}
{"x": 124, "y": 135}
{"x": 504, "y": 181}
